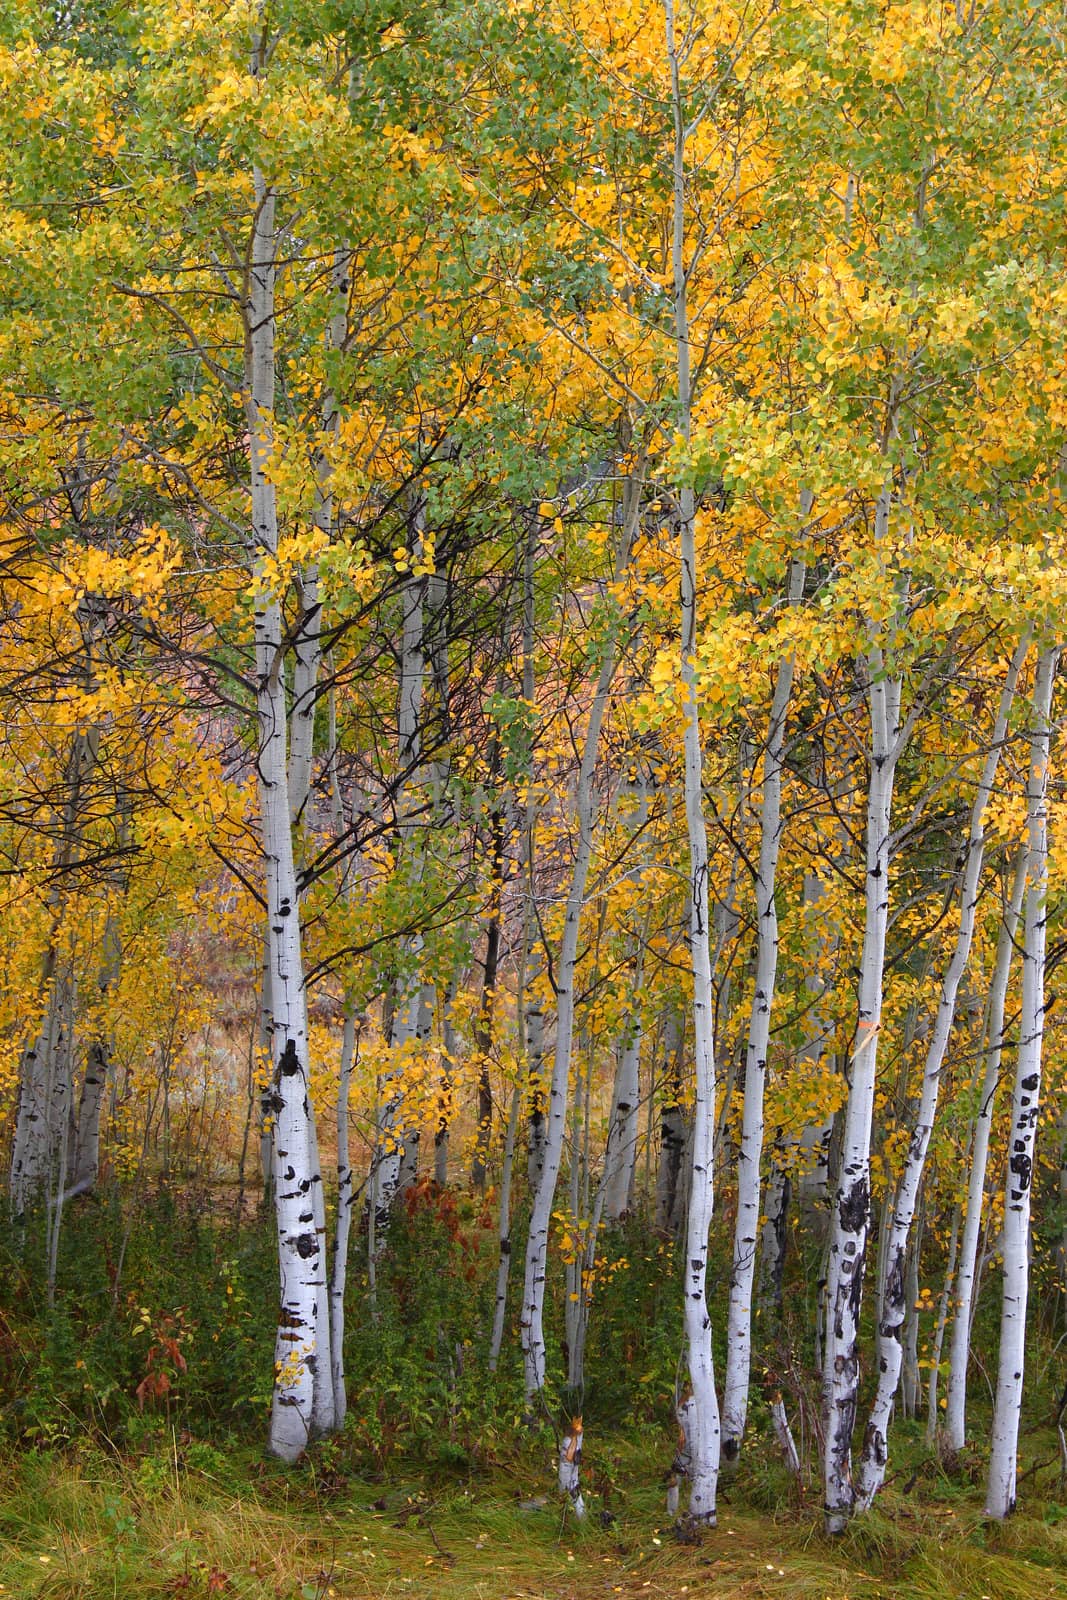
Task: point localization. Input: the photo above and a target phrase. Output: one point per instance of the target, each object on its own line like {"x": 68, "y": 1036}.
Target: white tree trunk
{"x": 33, "y": 1146}
{"x": 342, "y": 1223}
{"x": 44, "y": 1087}
{"x": 60, "y": 1099}
{"x": 746, "y": 1228}
{"x": 535, "y": 1058}
{"x": 503, "y": 1271}
{"x": 850, "y": 1220}
{"x": 1026, "y": 1099}
{"x": 533, "y": 1290}
{"x": 83, "y": 1166}
{"x": 307, "y": 642}
{"x": 570, "y": 1466}
{"x": 703, "y": 1412}
{"x": 894, "y": 1298}
{"x": 396, "y": 1147}
{"x": 939, "y": 1329}
{"x": 533, "y": 1294}
{"x": 960, "y": 1344}
{"x": 450, "y": 1052}
{"x": 911, "y": 1385}
{"x": 670, "y": 1189}
{"x": 623, "y": 1130}
{"x": 302, "y": 1350}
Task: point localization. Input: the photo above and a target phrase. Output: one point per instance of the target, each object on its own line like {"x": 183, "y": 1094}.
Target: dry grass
{"x": 83, "y": 1527}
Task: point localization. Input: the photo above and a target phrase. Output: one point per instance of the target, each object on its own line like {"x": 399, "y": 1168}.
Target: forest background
{"x": 532, "y": 574}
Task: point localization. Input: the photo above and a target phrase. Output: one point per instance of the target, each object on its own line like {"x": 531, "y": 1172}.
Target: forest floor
{"x": 86, "y": 1524}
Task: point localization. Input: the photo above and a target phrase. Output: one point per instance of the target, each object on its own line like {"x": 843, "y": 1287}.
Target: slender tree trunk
{"x": 525, "y": 1018}
{"x": 894, "y": 1301}
{"x": 939, "y": 1329}
{"x": 673, "y": 1136}
{"x": 483, "y": 1033}
{"x": 850, "y": 1221}
{"x": 911, "y": 1383}
{"x": 302, "y": 1351}
{"x": 1026, "y": 1099}
{"x": 621, "y": 1156}
{"x": 83, "y": 1166}
{"x": 798, "y": 1170}
{"x": 396, "y": 1147}
{"x": 533, "y": 1293}
{"x": 746, "y": 1229}
{"x": 960, "y": 1346}
{"x": 444, "y": 1094}
{"x": 44, "y": 1090}
{"x": 307, "y": 641}
{"x": 536, "y": 1129}
{"x": 503, "y": 1271}
{"x": 703, "y": 1412}
{"x": 34, "y": 1146}
{"x": 342, "y": 1221}
{"x": 60, "y": 1101}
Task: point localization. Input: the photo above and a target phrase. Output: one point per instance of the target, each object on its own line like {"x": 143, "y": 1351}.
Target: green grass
{"x": 196, "y": 1522}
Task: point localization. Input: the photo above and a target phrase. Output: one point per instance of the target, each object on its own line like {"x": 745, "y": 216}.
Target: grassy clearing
{"x": 88, "y": 1525}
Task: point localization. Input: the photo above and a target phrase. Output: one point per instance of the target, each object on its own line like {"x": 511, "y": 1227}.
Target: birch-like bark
{"x": 746, "y": 1228}
{"x": 1026, "y": 1099}
{"x": 503, "y": 1270}
{"x": 530, "y": 1050}
{"x": 799, "y": 1164}
{"x": 703, "y": 1412}
{"x": 940, "y": 1326}
{"x": 483, "y": 1030}
{"x": 342, "y": 1222}
{"x": 43, "y": 1114}
{"x": 673, "y": 1137}
{"x": 621, "y": 1154}
{"x": 307, "y": 642}
{"x": 61, "y": 1097}
{"x": 960, "y": 1344}
{"x": 35, "y": 1144}
{"x": 533, "y": 1343}
{"x": 894, "y": 1297}
{"x": 850, "y": 1220}
{"x": 911, "y": 1386}
{"x": 83, "y": 1166}
{"x": 302, "y": 1348}
{"x": 570, "y": 1466}
{"x": 533, "y": 1292}
{"x": 450, "y": 1052}
{"x": 394, "y": 1145}
{"x": 536, "y": 1131}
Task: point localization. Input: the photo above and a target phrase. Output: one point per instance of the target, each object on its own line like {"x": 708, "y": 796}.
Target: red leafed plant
{"x": 164, "y": 1361}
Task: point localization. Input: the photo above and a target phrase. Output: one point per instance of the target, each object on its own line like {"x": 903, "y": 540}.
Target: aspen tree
{"x": 303, "y": 1392}
{"x": 893, "y": 1309}
{"x": 1026, "y": 1101}
{"x": 527, "y": 1015}
{"x": 620, "y": 1153}
{"x": 850, "y": 1219}
{"x": 750, "y": 1154}
{"x": 533, "y": 1293}
{"x": 393, "y": 1140}
{"x": 702, "y": 1408}
{"x": 966, "y": 1273}
{"x": 673, "y": 1135}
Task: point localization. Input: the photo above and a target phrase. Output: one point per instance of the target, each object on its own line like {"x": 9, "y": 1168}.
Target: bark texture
{"x": 1026, "y": 1100}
